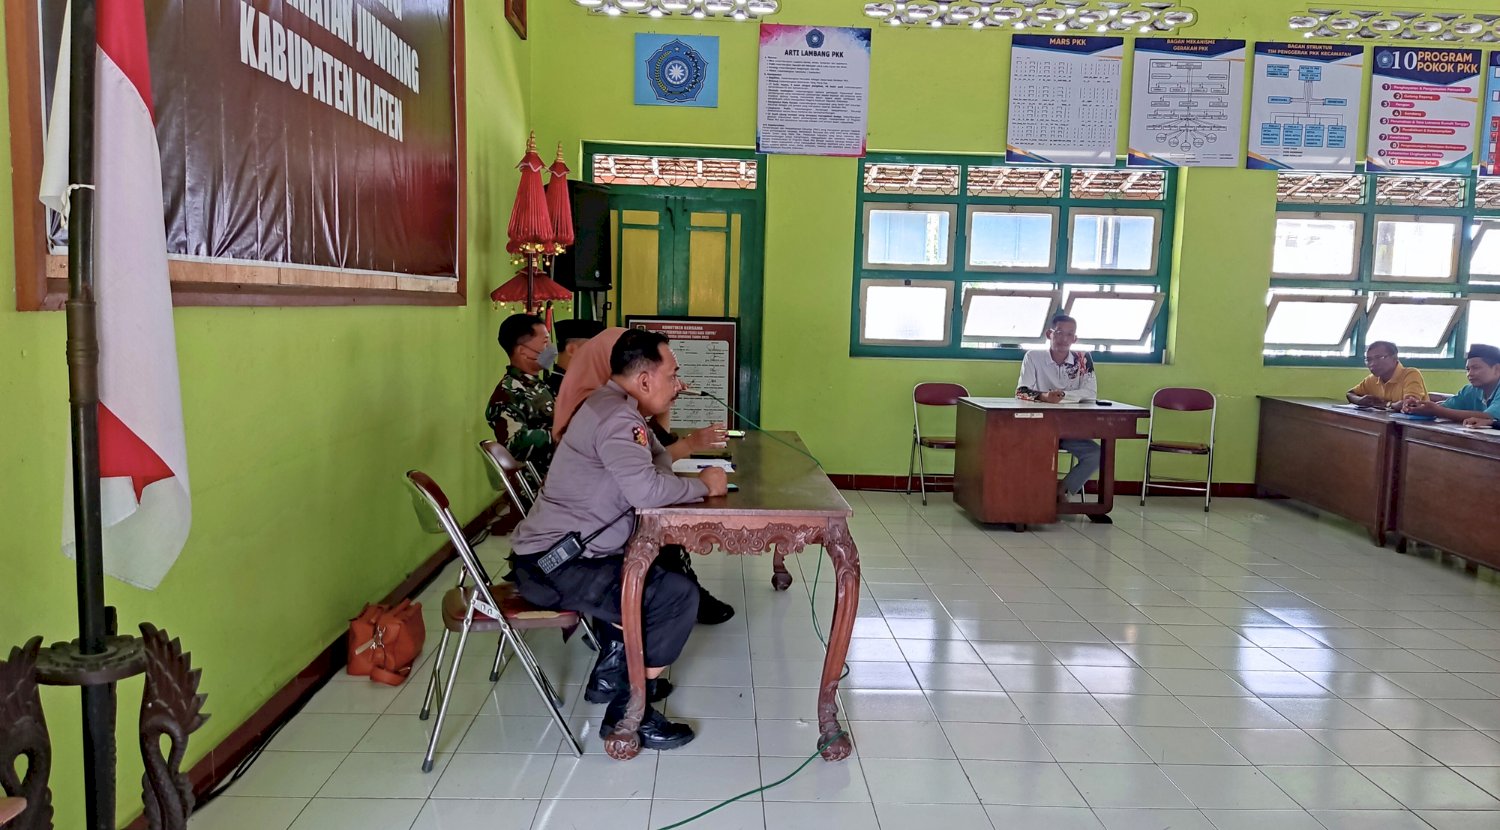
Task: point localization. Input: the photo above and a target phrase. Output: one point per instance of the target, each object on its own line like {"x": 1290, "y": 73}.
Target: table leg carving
{"x": 845, "y": 558}
{"x": 624, "y": 743}
{"x": 781, "y": 579}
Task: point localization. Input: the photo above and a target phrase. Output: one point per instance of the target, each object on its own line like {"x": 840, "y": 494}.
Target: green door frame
{"x": 680, "y": 202}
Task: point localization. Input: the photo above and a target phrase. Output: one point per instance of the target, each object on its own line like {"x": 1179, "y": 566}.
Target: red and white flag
{"x": 147, "y": 509}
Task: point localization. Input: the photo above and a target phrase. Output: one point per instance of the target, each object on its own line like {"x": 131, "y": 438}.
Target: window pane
{"x": 934, "y": 179}
{"x": 1118, "y": 184}
{"x": 916, "y": 314}
{"x": 1412, "y": 250}
{"x": 1120, "y": 317}
{"x": 1016, "y": 182}
{"x": 1310, "y": 323}
{"x": 1484, "y": 320}
{"x": 1011, "y": 240}
{"x": 1484, "y": 262}
{"x": 1113, "y": 242}
{"x": 674, "y": 171}
{"x": 1422, "y": 191}
{"x": 1487, "y": 194}
{"x": 1316, "y": 246}
{"x": 1005, "y": 317}
{"x": 1320, "y": 188}
{"x": 1412, "y": 325}
{"x": 908, "y": 237}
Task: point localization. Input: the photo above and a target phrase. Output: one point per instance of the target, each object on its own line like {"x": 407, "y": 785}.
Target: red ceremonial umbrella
{"x": 558, "y": 205}
{"x": 530, "y": 223}
{"x": 532, "y": 287}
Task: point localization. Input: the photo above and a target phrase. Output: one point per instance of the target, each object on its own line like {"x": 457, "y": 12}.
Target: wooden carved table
{"x": 785, "y": 502}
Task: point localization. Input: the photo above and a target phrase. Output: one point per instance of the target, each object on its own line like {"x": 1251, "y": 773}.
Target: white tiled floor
{"x": 1245, "y": 669}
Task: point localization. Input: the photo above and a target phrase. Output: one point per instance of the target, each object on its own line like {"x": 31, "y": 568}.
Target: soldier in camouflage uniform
{"x": 520, "y": 409}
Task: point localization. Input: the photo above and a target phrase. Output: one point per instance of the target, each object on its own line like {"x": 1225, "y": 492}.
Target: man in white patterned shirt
{"x": 1059, "y": 375}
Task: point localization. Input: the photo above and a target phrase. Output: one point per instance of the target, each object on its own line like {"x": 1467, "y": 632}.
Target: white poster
{"x": 814, "y": 90}
{"x": 1187, "y": 103}
{"x": 1423, "y": 104}
{"x": 1064, "y": 99}
{"x": 1304, "y": 106}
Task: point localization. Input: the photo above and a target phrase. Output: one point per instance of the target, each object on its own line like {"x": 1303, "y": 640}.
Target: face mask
{"x": 547, "y": 356}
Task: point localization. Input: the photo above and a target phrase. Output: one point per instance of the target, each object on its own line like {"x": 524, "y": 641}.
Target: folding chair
{"x": 1181, "y": 399}
{"x": 484, "y": 607}
{"x": 505, "y": 475}
{"x": 929, "y": 395}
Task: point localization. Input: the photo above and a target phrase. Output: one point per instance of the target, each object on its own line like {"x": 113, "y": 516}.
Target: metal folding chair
{"x": 483, "y": 607}
{"x": 505, "y": 475}
{"x": 929, "y": 395}
{"x": 1181, "y": 399}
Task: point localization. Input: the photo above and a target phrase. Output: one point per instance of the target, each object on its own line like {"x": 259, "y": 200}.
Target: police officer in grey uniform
{"x": 608, "y": 465}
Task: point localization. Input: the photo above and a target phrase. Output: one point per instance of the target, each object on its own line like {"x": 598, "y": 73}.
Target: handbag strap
{"x": 389, "y": 678}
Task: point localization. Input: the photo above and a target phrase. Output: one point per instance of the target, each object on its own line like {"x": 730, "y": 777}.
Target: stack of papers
{"x": 693, "y": 466}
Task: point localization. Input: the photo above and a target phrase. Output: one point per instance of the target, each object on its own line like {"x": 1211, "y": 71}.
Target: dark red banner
{"x": 308, "y": 132}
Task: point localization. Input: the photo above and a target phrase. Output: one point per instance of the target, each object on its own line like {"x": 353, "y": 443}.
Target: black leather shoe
{"x": 658, "y": 689}
{"x": 611, "y": 677}
{"x": 711, "y": 609}
{"x": 610, "y": 674}
{"x": 656, "y": 731}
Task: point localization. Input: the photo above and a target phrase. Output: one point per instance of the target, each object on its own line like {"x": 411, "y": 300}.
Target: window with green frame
{"x": 967, "y": 257}
{"x": 1360, "y": 257}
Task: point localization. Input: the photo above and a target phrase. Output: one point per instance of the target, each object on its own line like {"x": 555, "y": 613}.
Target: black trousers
{"x": 669, "y": 603}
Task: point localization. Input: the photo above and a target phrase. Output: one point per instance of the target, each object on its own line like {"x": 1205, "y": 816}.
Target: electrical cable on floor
{"x": 818, "y": 630}
{"x": 249, "y": 760}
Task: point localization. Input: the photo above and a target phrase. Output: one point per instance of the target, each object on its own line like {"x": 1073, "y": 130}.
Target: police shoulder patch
{"x": 639, "y": 434}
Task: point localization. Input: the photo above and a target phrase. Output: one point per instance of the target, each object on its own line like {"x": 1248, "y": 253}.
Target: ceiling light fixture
{"x": 698, "y": 9}
{"x": 1155, "y": 16}
{"x": 1400, "y": 25}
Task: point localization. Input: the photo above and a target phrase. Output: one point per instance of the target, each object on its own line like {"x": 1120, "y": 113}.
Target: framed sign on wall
{"x": 707, "y": 350}
{"x": 270, "y": 116}
{"x": 515, "y": 12}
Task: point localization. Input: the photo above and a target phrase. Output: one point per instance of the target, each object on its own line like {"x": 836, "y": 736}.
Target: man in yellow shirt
{"x": 1389, "y": 383}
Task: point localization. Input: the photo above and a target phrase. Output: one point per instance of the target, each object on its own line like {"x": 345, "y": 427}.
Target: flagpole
{"x": 83, "y": 389}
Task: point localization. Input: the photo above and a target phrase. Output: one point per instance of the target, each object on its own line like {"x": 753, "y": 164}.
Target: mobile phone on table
{"x": 735, "y": 433}
{"x": 733, "y": 487}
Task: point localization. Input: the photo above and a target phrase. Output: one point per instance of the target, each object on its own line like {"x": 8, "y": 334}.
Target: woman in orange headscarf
{"x": 589, "y": 370}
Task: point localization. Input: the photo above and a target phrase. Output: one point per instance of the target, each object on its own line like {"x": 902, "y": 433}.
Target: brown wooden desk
{"x": 1449, "y": 478}
{"x": 1336, "y": 459}
{"x": 1005, "y": 465}
{"x": 786, "y": 501}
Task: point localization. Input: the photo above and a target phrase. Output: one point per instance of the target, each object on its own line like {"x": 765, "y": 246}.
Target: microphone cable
{"x": 743, "y": 417}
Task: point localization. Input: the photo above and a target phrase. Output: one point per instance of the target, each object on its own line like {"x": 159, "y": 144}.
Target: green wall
{"x": 936, "y": 90}
{"x": 299, "y": 425}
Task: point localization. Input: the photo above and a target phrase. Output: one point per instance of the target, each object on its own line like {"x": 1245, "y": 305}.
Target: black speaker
{"x": 586, "y": 266}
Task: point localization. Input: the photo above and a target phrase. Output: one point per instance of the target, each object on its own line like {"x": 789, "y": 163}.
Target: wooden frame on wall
{"x": 515, "y": 13}
{"x": 42, "y": 277}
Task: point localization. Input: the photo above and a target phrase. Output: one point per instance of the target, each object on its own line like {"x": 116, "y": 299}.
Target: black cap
{"x": 577, "y": 329}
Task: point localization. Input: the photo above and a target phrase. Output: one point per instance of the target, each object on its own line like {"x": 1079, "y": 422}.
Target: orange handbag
{"x": 384, "y": 642}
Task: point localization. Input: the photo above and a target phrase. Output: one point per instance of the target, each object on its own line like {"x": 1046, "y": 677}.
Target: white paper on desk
{"x": 693, "y": 466}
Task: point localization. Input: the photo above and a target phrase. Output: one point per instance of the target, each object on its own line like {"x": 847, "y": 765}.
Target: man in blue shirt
{"x": 1476, "y": 403}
